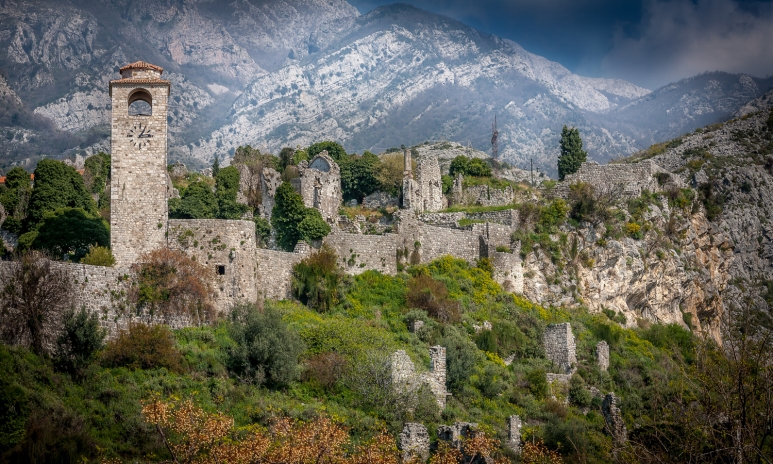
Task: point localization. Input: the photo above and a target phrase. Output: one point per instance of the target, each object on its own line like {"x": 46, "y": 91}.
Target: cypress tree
{"x": 572, "y": 155}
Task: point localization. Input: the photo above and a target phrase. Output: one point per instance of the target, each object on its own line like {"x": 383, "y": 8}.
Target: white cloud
{"x": 681, "y": 38}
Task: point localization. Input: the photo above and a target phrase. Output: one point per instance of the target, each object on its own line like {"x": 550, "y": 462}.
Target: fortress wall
{"x": 274, "y": 273}
{"x": 227, "y": 249}
{"x": 631, "y": 178}
{"x": 358, "y": 253}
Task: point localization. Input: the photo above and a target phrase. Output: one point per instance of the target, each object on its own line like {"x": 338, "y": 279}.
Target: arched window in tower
{"x": 140, "y": 103}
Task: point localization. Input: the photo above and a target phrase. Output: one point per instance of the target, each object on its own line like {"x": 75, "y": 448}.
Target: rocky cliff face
{"x": 291, "y": 72}
{"x": 720, "y": 257}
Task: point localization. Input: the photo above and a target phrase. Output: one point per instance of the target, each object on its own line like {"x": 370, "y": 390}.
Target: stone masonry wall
{"x": 138, "y": 216}
{"x": 480, "y": 195}
{"x": 508, "y": 217}
{"x": 227, "y": 249}
{"x": 274, "y": 273}
{"x": 104, "y": 291}
{"x": 632, "y": 179}
{"x": 358, "y": 253}
{"x": 405, "y": 378}
{"x": 560, "y": 346}
{"x": 508, "y": 270}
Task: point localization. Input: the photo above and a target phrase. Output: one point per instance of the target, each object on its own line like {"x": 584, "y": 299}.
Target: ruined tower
{"x": 138, "y": 207}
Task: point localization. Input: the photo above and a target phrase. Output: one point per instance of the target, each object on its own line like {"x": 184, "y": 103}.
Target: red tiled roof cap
{"x": 142, "y": 65}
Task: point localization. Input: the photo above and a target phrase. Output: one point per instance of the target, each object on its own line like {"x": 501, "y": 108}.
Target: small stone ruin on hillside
{"x": 406, "y": 380}
{"x": 560, "y": 347}
{"x": 424, "y": 192}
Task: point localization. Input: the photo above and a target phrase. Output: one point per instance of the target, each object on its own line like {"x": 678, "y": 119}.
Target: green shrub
{"x": 293, "y": 221}
{"x": 143, "y": 347}
{"x": 317, "y": 281}
{"x": 486, "y": 340}
{"x": 262, "y": 229}
{"x": 266, "y": 350}
{"x": 538, "y": 383}
{"x": 99, "y": 256}
{"x": 461, "y": 357}
{"x": 578, "y": 394}
{"x": 552, "y": 216}
{"x": 79, "y": 341}
{"x": 465, "y": 166}
{"x": 71, "y": 232}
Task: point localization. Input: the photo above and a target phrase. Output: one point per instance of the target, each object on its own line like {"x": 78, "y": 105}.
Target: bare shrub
{"x": 171, "y": 284}
{"x": 431, "y": 295}
{"x": 35, "y": 294}
{"x": 325, "y": 369}
{"x": 143, "y": 347}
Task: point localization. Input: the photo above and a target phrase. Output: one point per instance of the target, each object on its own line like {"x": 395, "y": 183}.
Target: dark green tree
{"x": 266, "y": 349}
{"x": 359, "y": 176}
{"x": 215, "y": 166}
{"x": 572, "y": 155}
{"x": 96, "y": 173}
{"x": 293, "y": 221}
{"x": 58, "y": 186}
{"x": 226, "y": 189}
{"x": 79, "y": 341}
{"x": 334, "y": 150}
{"x": 197, "y": 202}
{"x": 71, "y": 231}
{"x": 286, "y": 157}
{"x": 317, "y": 280}
{"x": 15, "y": 196}
{"x": 288, "y": 212}
{"x": 461, "y": 356}
{"x": 465, "y": 166}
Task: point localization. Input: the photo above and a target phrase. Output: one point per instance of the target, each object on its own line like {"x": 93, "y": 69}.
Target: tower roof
{"x": 142, "y": 65}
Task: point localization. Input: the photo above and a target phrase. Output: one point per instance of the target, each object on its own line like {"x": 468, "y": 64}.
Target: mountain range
{"x": 292, "y": 72}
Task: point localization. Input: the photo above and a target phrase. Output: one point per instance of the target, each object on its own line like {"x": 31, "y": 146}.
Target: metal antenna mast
{"x": 494, "y": 137}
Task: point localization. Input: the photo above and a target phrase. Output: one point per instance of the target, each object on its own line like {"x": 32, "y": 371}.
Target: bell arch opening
{"x": 140, "y": 103}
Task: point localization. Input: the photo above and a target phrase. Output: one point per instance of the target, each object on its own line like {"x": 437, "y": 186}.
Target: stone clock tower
{"x": 138, "y": 209}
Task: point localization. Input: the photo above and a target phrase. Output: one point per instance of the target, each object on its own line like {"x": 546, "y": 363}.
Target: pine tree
{"x": 572, "y": 155}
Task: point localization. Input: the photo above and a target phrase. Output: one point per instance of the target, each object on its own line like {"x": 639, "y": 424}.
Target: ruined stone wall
{"x": 508, "y": 217}
{"x": 560, "y": 348}
{"x": 227, "y": 249}
{"x": 425, "y": 191}
{"x": 274, "y": 273}
{"x": 105, "y": 291}
{"x": 321, "y": 185}
{"x": 270, "y": 180}
{"x": 428, "y": 176}
{"x": 138, "y": 191}
{"x": 631, "y": 179}
{"x": 481, "y": 195}
{"x": 358, "y": 253}
{"x": 406, "y": 380}
{"x": 508, "y": 270}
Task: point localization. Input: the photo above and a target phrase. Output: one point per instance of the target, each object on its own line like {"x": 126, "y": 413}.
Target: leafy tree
{"x": 197, "y": 202}
{"x": 215, "y": 166}
{"x": 389, "y": 173}
{"x": 461, "y": 356}
{"x": 286, "y": 157}
{"x": 334, "y": 150}
{"x": 358, "y": 176}
{"x": 58, "y": 186}
{"x": 33, "y": 299}
{"x": 96, "y": 173}
{"x": 465, "y": 166}
{"x": 15, "y": 196}
{"x": 262, "y": 229}
{"x": 71, "y": 231}
{"x": 572, "y": 155}
{"x": 266, "y": 350}
{"x": 79, "y": 341}
{"x": 293, "y": 221}
{"x": 226, "y": 190}
{"x": 99, "y": 256}
{"x": 317, "y": 280}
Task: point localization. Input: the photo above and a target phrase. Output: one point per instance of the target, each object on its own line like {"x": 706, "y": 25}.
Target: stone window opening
{"x": 140, "y": 103}
{"x": 220, "y": 269}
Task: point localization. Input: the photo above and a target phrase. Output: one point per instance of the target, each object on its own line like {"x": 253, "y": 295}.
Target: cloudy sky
{"x": 647, "y": 42}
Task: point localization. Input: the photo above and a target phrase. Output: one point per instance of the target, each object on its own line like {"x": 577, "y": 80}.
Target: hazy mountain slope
{"x": 276, "y": 73}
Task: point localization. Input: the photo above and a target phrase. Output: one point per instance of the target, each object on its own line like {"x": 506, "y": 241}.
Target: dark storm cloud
{"x": 648, "y": 42}
{"x": 682, "y": 38}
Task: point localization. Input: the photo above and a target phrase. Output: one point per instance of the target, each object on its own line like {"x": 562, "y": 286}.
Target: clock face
{"x": 140, "y": 135}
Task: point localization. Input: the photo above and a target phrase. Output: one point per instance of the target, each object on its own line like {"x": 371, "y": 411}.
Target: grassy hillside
{"x": 52, "y": 416}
